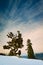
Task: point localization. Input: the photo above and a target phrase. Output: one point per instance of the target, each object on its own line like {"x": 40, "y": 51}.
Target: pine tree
{"x": 15, "y": 43}
{"x": 30, "y": 51}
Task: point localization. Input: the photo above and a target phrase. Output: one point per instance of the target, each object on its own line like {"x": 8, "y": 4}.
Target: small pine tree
{"x": 30, "y": 51}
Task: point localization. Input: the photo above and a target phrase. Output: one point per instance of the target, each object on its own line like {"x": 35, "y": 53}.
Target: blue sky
{"x": 24, "y": 10}
{"x": 23, "y": 15}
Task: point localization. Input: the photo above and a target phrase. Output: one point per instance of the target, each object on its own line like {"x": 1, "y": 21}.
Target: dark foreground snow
{"x": 12, "y": 60}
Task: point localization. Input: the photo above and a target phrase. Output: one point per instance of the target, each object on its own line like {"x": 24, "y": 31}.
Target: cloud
{"x": 36, "y": 37}
{"x": 25, "y": 10}
{"x": 32, "y": 30}
{"x": 23, "y": 16}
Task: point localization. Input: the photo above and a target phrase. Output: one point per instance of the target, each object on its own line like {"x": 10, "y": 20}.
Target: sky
{"x": 23, "y": 15}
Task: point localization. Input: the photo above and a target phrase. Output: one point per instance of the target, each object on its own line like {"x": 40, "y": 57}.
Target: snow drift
{"x": 12, "y": 60}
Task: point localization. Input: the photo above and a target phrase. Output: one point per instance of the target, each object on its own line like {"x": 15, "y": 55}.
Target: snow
{"x": 12, "y": 60}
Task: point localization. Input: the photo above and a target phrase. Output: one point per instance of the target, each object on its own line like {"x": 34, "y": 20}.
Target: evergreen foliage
{"x": 15, "y": 43}
{"x": 29, "y": 49}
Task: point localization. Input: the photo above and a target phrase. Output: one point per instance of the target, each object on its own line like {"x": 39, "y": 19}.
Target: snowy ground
{"x": 12, "y": 60}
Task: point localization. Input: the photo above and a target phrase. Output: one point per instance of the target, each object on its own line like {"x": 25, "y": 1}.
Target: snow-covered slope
{"x": 12, "y": 60}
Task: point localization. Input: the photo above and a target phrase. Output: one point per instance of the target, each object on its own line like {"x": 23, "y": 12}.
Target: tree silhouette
{"x": 15, "y": 43}
{"x": 29, "y": 49}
